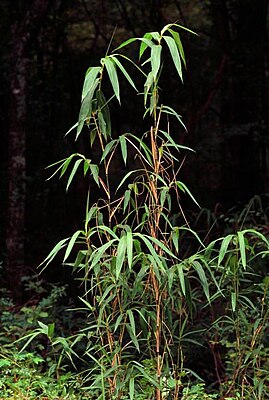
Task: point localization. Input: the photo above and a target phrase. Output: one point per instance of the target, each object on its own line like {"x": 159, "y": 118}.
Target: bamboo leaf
{"x": 66, "y": 164}
{"x": 133, "y": 337}
{"x": 95, "y": 173}
{"x": 155, "y": 59}
{"x": 127, "y": 196}
{"x": 233, "y": 301}
{"x": 108, "y": 148}
{"x": 201, "y": 273}
{"x": 121, "y": 252}
{"x": 123, "y": 70}
{"x": 131, "y": 388}
{"x": 54, "y": 251}
{"x": 73, "y": 172}
{"x": 89, "y": 81}
{"x": 184, "y": 188}
{"x": 242, "y": 248}
{"x": 129, "y": 246}
{"x": 71, "y": 244}
{"x": 175, "y": 54}
{"x": 181, "y": 278}
{"x": 179, "y": 44}
{"x": 72, "y": 127}
{"x": 145, "y": 42}
{"x": 171, "y": 111}
{"x": 132, "y": 321}
{"x": 223, "y": 248}
{"x": 100, "y": 253}
{"x": 86, "y": 108}
{"x": 112, "y": 73}
{"x": 104, "y": 109}
{"x": 123, "y": 148}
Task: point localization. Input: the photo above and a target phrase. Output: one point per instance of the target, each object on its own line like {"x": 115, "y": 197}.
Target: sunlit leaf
{"x": 123, "y": 70}
{"x": 175, "y": 54}
{"x": 179, "y": 44}
{"x": 155, "y": 59}
{"x": 95, "y": 173}
{"x": 123, "y": 148}
{"x": 73, "y": 172}
{"x": 89, "y": 81}
{"x": 121, "y": 252}
{"x": 112, "y": 73}
{"x": 71, "y": 244}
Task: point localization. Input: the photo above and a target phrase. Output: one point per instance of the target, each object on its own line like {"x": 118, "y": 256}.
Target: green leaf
{"x": 54, "y": 251}
{"x": 86, "y": 108}
{"x": 170, "y": 110}
{"x": 145, "y": 42}
{"x": 51, "y": 328}
{"x": 112, "y": 73}
{"x": 181, "y": 278}
{"x": 223, "y": 248}
{"x": 201, "y": 273}
{"x": 108, "y": 148}
{"x": 104, "y": 109}
{"x": 129, "y": 247}
{"x": 71, "y": 244}
{"x": 233, "y": 301}
{"x": 155, "y": 59}
{"x": 123, "y": 148}
{"x": 184, "y": 188}
{"x": 72, "y": 127}
{"x": 95, "y": 173}
{"x": 89, "y": 81}
{"x": 127, "y": 196}
{"x": 131, "y": 388}
{"x": 148, "y": 85}
{"x": 100, "y": 253}
{"x": 179, "y": 44}
{"x": 73, "y": 172}
{"x": 131, "y": 40}
{"x": 132, "y": 321}
{"x": 121, "y": 252}
{"x": 133, "y": 337}
{"x": 175, "y": 54}
{"x": 123, "y": 70}
{"x": 242, "y": 248}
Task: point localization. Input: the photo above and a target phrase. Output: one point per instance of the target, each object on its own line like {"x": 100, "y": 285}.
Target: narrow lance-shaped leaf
{"x": 175, "y": 54}
{"x": 129, "y": 247}
{"x": 108, "y": 148}
{"x": 86, "y": 108}
{"x": 224, "y": 247}
{"x": 242, "y": 248}
{"x": 184, "y": 188}
{"x": 123, "y": 70}
{"x": 121, "y": 252}
{"x": 54, "y": 252}
{"x": 181, "y": 278}
{"x": 201, "y": 273}
{"x": 73, "y": 172}
{"x": 179, "y": 44}
{"x": 89, "y": 80}
{"x": 95, "y": 173}
{"x": 104, "y": 109}
{"x": 123, "y": 148}
{"x": 112, "y": 73}
{"x": 71, "y": 244}
{"x": 155, "y": 59}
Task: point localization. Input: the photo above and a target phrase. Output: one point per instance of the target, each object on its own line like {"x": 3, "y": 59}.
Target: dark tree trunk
{"x": 21, "y": 32}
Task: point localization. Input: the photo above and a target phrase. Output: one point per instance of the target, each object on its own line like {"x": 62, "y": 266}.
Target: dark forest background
{"x": 46, "y": 48}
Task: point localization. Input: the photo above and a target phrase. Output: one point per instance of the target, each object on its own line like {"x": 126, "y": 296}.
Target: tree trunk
{"x": 21, "y": 32}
